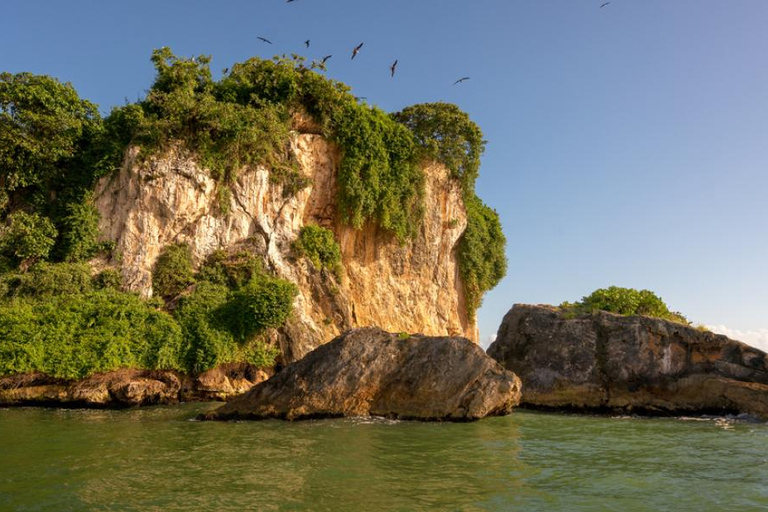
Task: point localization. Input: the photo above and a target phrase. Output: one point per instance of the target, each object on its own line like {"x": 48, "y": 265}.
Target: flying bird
{"x": 606, "y": 3}
{"x": 460, "y": 80}
{"x": 264, "y": 39}
{"x": 357, "y": 50}
{"x": 392, "y": 68}
{"x": 325, "y": 59}
{"x": 306, "y": 43}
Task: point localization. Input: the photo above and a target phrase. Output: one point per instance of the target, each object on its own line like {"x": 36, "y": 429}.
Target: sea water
{"x": 160, "y": 459}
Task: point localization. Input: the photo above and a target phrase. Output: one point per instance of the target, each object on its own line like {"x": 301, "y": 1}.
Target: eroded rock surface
{"x": 170, "y": 199}
{"x": 629, "y": 363}
{"x": 126, "y": 388}
{"x": 372, "y": 372}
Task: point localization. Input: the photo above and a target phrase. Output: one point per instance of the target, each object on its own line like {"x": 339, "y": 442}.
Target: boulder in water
{"x": 372, "y": 372}
{"x": 604, "y": 361}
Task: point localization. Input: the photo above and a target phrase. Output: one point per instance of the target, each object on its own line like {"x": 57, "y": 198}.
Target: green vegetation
{"x": 55, "y": 317}
{"x": 222, "y": 323}
{"x": 318, "y": 245}
{"x": 28, "y": 238}
{"x": 446, "y": 134}
{"x": 482, "y": 260}
{"x": 173, "y": 271}
{"x": 623, "y": 301}
{"x": 58, "y": 320}
{"x": 72, "y": 336}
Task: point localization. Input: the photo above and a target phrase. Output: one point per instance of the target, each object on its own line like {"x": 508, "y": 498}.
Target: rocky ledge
{"x": 372, "y": 372}
{"x": 126, "y": 388}
{"x": 607, "y": 362}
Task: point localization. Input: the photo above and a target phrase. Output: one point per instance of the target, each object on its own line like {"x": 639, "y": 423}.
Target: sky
{"x": 627, "y": 145}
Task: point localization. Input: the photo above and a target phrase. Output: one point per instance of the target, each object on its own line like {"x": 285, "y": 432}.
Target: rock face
{"x": 629, "y": 363}
{"x": 371, "y": 372}
{"x": 125, "y": 388}
{"x": 414, "y": 287}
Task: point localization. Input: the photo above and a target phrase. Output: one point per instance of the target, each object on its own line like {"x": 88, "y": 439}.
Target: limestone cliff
{"x": 414, "y": 287}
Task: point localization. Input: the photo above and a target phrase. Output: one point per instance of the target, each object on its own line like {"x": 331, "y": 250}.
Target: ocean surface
{"x": 160, "y": 459}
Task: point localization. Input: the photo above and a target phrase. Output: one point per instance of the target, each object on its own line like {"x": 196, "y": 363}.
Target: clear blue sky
{"x": 626, "y": 145}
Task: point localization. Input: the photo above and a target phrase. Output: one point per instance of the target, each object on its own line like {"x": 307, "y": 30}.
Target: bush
{"x": 446, "y": 134}
{"x": 73, "y": 336}
{"x": 207, "y": 342}
{"x": 231, "y": 270}
{"x": 221, "y": 326}
{"x": 173, "y": 271}
{"x": 53, "y": 279}
{"x": 319, "y": 246}
{"x": 80, "y": 230}
{"x": 263, "y": 303}
{"x": 624, "y": 301}
{"x": 43, "y": 127}
{"x": 482, "y": 258}
{"x": 28, "y": 238}
{"x": 108, "y": 278}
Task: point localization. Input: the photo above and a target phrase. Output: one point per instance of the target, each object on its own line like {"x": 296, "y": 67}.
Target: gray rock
{"x": 610, "y": 362}
{"x": 372, "y": 372}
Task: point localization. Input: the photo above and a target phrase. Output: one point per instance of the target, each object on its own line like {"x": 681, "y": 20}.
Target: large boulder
{"x": 372, "y": 372}
{"x": 608, "y": 362}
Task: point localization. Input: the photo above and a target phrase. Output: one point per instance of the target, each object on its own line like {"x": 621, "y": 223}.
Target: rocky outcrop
{"x": 413, "y": 287}
{"x": 607, "y": 362}
{"x": 126, "y": 388}
{"x": 372, "y": 372}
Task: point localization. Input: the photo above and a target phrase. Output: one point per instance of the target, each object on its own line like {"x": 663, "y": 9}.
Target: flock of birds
{"x": 356, "y": 50}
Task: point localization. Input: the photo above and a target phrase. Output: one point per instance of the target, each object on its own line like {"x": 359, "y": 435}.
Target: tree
{"x": 28, "y": 238}
{"x": 43, "y": 124}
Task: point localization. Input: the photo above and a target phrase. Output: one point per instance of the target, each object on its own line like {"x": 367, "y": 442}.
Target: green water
{"x": 158, "y": 459}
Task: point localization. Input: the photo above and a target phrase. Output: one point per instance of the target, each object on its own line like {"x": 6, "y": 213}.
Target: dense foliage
{"x": 318, "y": 245}
{"x": 72, "y": 336}
{"x": 27, "y": 238}
{"x": 59, "y": 320}
{"x": 233, "y": 303}
{"x": 173, "y": 271}
{"x": 624, "y": 301}
{"x": 44, "y": 126}
{"x": 446, "y": 134}
{"x": 482, "y": 258}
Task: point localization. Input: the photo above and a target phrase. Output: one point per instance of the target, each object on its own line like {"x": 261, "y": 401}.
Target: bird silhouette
{"x": 392, "y": 68}
{"x": 606, "y": 3}
{"x": 357, "y": 50}
{"x": 306, "y": 43}
{"x": 264, "y": 39}
{"x": 325, "y": 59}
{"x": 460, "y": 80}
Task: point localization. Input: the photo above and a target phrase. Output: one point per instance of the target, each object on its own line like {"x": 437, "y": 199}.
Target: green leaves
{"x": 42, "y": 125}
{"x": 446, "y": 134}
{"x": 318, "y": 245}
{"x": 29, "y": 237}
{"x": 624, "y": 301}
{"x": 482, "y": 258}
{"x": 173, "y": 271}
{"x": 74, "y": 335}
